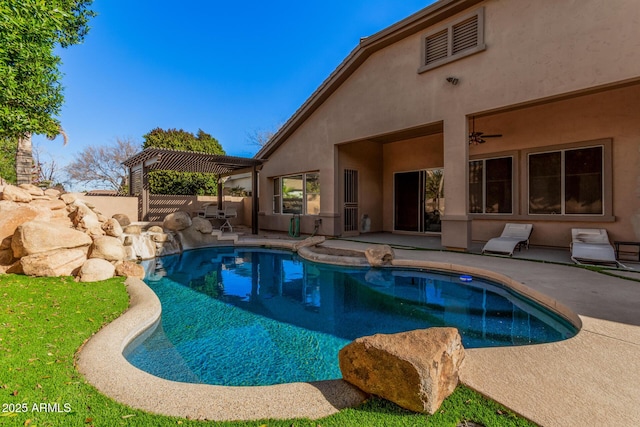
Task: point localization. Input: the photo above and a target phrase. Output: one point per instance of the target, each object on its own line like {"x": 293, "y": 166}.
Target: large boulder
{"x": 108, "y": 248}
{"x": 190, "y": 238}
{"x": 69, "y": 198}
{"x": 16, "y": 194}
{"x": 177, "y": 221}
{"x": 32, "y": 189}
{"x": 54, "y": 205}
{"x": 416, "y": 370}
{"x": 379, "y": 255}
{"x": 83, "y": 216}
{"x": 34, "y": 237}
{"x": 309, "y": 241}
{"x": 122, "y": 219}
{"x": 58, "y": 262}
{"x": 12, "y": 215}
{"x": 133, "y": 229}
{"x": 96, "y": 269}
{"x": 202, "y": 225}
{"x": 6, "y": 257}
{"x": 52, "y": 192}
{"x": 130, "y": 269}
{"x": 166, "y": 244}
{"x": 112, "y": 227}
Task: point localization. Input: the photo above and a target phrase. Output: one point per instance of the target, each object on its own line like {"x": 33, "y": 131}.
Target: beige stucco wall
{"x": 111, "y": 205}
{"x": 537, "y": 51}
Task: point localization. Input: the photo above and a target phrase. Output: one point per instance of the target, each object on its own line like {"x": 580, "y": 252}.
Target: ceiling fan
{"x": 476, "y": 138}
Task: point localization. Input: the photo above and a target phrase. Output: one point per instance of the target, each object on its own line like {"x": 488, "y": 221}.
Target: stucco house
{"x": 391, "y": 140}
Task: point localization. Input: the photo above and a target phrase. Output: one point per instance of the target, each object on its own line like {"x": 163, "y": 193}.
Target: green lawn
{"x": 43, "y": 322}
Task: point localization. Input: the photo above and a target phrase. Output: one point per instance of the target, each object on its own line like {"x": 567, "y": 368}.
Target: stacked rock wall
{"x": 46, "y": 233}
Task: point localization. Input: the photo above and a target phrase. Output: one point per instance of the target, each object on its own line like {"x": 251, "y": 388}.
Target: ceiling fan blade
{"x": 497, "y": 135}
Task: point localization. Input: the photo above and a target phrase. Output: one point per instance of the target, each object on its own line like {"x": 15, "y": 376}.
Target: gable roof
{"x": 419, "y": 21}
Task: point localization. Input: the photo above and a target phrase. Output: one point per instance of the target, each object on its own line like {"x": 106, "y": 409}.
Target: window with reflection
{"x": 567, "y": 182}
{"x": 312, "y": 190}
{"x": 583, "y": 181}
{"x": 276, "y": 195}
{"x": 545, "y": 183}
{"x": 491, "y": 185}
{"x": 292, "y": 194}
{"x": 297, "y": 194}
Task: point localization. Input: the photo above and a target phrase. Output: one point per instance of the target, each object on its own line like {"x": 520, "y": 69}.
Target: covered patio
{"x": 151, "y": 159}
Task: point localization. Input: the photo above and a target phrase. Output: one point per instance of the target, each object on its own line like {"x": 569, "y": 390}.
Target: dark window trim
{"x": 607, "y": 178}
{"x": 521, "y": 184}
{"x": 514, "y": 183}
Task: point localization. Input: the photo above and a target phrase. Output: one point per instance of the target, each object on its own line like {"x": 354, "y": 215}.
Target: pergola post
{"x": 220, "y": 190}
{"x": 145, "y": 193}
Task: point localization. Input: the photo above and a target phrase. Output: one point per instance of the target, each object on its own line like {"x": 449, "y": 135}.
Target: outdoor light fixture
{"x": 453, "y": 80}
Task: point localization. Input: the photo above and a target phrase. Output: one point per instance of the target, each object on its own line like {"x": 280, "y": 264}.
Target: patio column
{"x": 456, "y": 223}
{"x": 220, "y": 189}
{"x": 255, "y": 229}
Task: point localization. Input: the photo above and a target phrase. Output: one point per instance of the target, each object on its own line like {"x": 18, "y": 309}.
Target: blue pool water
{"x": 256, "y": 317}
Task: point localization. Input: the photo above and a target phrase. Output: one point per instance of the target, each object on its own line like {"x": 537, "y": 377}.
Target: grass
{"x": 43, "y": 322}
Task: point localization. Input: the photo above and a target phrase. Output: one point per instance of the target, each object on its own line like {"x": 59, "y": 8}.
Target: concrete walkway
{"x": 592, "y": 379}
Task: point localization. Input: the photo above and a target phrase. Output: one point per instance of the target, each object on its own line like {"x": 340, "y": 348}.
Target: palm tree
{"x": 24, "y": 156}
{"x": 24, "y": 160}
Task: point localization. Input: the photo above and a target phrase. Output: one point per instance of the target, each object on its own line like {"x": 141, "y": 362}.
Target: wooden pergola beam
{"x": 190, "y": 161}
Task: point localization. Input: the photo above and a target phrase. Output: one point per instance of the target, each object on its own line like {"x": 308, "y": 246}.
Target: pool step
{"x": 221, "y": 235}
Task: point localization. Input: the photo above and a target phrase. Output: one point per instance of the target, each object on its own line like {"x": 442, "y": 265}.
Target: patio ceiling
{"x": 189, "y": 161}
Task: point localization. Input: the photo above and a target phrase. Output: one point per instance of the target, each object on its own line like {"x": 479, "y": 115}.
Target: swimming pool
{"x": 244, "y": 317}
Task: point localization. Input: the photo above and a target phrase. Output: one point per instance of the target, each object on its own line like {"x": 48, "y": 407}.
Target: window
{"x": 313, "y": 193}
{"x": 292, "y": 191}
{"x": 491, "y": 186}
{"x": 567, "y": 182}
{"x": 462, "y": 38}
{"x": 297, "y": 194}
{"x": 276, "y": 195}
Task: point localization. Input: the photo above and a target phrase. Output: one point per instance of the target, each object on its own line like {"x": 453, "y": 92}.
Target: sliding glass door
{"x": 418, "y": 200}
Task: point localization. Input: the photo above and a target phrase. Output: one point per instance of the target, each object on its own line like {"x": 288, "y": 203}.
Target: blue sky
{"x": 228, "y": 68}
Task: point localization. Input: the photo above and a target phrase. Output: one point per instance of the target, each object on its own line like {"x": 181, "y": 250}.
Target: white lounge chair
{"x": 592, "y": 246}
{"x": 513, "y": 236}
{"x": 226, "y": 215}
{"x": 209, "y": 211}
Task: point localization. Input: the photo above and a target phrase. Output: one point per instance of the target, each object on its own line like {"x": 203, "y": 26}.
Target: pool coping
{"x": 104, "y": 366}
{"x": 102, "y": 363}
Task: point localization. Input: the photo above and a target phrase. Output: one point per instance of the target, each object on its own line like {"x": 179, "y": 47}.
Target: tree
{"x": 8, "y": 148}
{"x": 30, "y": 87}
{"x": 182, "y": 183}
{"x": 46, "y": 172}
{"x": 102, "y": 165}
{"x": 262, "y": 137}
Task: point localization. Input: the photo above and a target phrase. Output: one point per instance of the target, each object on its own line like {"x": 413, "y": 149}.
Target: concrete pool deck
{"x": 591, "y": 379}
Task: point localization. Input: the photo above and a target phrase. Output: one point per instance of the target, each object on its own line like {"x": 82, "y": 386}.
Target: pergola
{"x": 188, "y": 161}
